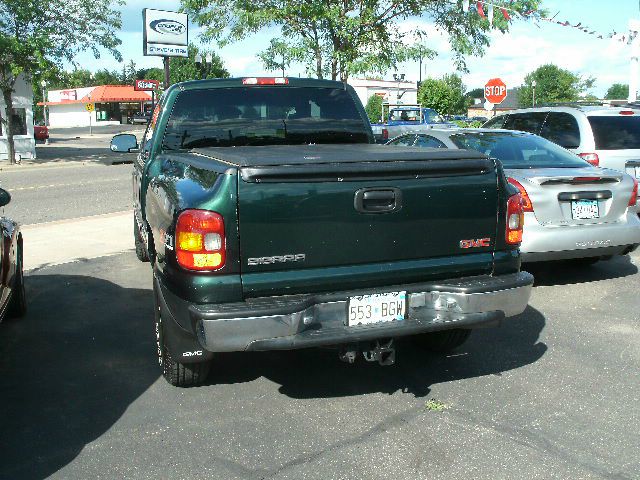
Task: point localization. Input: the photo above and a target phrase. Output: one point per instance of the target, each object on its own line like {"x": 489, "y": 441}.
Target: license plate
{"x": 377, "y": 308}
{"x": 584, "y": 209}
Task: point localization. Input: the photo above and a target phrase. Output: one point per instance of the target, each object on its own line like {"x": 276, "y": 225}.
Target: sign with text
{"x": 495, "y": 91}
{"x": 145, "y": 85}
{"x": 165, "y": 34}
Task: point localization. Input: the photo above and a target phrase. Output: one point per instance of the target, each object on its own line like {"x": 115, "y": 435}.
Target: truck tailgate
{"x": 334, "y": 226}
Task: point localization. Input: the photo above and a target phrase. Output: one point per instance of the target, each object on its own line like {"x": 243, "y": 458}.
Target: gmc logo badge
{"x": 480, "y": 242}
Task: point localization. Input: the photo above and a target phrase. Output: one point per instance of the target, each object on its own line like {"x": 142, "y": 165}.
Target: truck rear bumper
{"x": 300, "y": 321}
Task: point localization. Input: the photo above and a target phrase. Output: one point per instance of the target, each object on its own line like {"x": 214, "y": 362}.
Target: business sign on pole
{"x": 165, "y": 34}
{"x": 146, "y": 85}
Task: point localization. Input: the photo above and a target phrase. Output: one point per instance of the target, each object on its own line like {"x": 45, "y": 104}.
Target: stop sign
{"x": 495, "y": 91}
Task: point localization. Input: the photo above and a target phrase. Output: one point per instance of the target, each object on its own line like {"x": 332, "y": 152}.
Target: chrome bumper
{"x": 283, "y": 323}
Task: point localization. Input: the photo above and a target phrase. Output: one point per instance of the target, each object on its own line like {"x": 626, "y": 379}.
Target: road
{"x": 552, "y": 394}
{"x": 75, "y": 176}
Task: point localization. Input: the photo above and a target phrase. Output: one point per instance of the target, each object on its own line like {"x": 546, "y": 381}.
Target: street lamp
{"x": 44, "y": 107}
{"x": 533, "y": 84}
{"x": 398, "y": 77}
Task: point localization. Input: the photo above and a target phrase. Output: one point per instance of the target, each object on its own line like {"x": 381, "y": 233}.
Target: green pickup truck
{"x": 273, "y": 222}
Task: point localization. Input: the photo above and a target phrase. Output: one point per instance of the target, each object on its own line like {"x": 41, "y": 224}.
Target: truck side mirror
{"x": 5, "y": 197}
{"x": 124, "y": 142}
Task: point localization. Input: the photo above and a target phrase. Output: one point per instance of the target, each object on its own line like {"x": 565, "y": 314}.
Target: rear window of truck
{"x": 616, "y": 133}
{"x": 227, "y": 117}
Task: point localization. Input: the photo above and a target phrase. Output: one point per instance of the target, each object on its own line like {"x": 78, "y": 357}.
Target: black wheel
{"x": 141, "y": 251}
{"x": 18, "y": 303}
{"x": 444, "y": 340}
{"x": 176, "y": 373}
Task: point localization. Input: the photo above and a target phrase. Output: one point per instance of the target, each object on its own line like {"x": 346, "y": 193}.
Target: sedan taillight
{"x": 527, "y": 206}
{"x": 200, "y": 242}
{"x": 515, "y": 220}
{"x": 591, "y": 158}
{"x": 634, "y": 194}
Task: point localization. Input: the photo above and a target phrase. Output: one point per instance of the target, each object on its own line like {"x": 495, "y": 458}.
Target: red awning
{"x": 107, "y": 94}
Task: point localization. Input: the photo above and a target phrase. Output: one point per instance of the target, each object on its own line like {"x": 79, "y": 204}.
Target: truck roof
{"x": 273, "y": 155}
{"x": 238, "y": 82}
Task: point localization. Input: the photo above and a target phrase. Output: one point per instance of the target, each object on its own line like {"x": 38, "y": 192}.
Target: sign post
{"x": 90, "y": 108}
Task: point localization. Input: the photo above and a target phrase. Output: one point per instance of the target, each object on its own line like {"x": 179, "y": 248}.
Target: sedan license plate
{"x": 377, "y": 308}
{"x": 584, "y": 209}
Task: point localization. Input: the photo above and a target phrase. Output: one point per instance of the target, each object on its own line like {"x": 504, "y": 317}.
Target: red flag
{"x": 481, "y": 10}
{"x": 505, "y": 14}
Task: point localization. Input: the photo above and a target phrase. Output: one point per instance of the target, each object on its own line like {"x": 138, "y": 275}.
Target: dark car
{"x": 12, "y": 296}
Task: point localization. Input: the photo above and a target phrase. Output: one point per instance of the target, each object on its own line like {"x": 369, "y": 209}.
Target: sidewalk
{"x": 64, "y": 241}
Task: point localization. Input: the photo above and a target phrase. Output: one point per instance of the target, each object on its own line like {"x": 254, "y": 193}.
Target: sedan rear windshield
{"x": 616, "y": 133}
{"x": 226, "y": 117}
{"x": 516, "y": 150}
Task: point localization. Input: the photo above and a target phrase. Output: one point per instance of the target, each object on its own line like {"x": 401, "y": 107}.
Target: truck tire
{"x": 176, "y": 373}
{"x": 445, "y": 340}
{"x": 18, "y": 303}
{"x": 141, "y": 251}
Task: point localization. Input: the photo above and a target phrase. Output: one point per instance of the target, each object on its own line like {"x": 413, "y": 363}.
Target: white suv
{"x": 608, "y": 137}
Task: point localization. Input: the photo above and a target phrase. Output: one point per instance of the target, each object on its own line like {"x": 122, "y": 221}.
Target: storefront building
{"x": 114, "y": 104}
{"x": 22, "y": 120}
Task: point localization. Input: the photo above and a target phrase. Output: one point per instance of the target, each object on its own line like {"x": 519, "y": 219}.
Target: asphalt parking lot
{"x": 553, "y": 393}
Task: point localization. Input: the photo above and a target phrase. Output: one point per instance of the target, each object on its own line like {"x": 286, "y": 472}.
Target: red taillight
{"x": 591, "y": 158}
{"x": 634, "y": 194}
{"x": 385, "y": 134}
{"x": 265, "y": 81}
{"x": 515, "y": 220}
{"x": 527, "y": 206}
{"x": 200, "y": 242}
{"x": 627, "y": 112}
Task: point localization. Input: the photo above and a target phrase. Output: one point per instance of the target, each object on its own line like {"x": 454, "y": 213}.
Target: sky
{"x": 511, "y": 56}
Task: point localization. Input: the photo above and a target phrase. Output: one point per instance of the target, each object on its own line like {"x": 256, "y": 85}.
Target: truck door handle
{"x": 378, "y": 200}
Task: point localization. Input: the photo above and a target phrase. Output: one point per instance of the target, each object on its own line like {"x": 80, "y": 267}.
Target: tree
{"x": 279, "y": 55}
{"x": 33, "y": 37}
{"x": 446, "y": 96}
{"x": 186, "y": 68}
{"x": 553, "y": 85}
{"x": 339, "y": 38}
{"x": 617, "y": 91}
{"x": 374, "y": 108}
{"x": 476, "y": 93}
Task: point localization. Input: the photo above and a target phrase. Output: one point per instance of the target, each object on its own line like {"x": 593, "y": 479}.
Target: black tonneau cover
{"x": 278, "y": 155}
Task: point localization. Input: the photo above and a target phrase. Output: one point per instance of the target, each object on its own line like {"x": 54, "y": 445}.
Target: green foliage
{"x": 280, "y": 55}
{"x": 434, "y": 405}
{"x": 374, "y": 108}
{"x": 445, "y": 96}
{"x": 339, "y": 38}
{"x": 36, "y": 36}
{"x": 553, "y": 85}
{"x": 617, "y": 91}
{"x": 476, "y": 93}
{"x": 185, "y": 68}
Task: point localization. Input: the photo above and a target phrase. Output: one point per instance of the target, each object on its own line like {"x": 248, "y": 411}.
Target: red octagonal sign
{"x": 495, "y": 91}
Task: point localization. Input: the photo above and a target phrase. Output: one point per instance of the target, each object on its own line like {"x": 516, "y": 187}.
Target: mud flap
{"x": 182, "y": 345}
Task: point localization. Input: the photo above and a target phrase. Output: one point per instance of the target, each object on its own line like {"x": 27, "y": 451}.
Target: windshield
{"x": 517, "y": 150}
{"x": 226, "y": 117}
{"x": 616, "y": 133}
